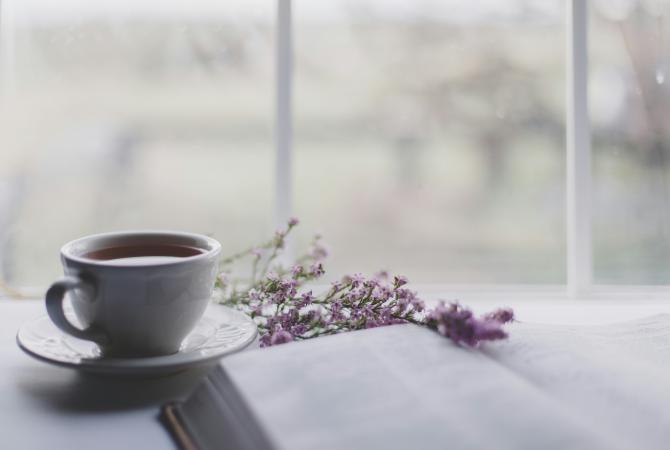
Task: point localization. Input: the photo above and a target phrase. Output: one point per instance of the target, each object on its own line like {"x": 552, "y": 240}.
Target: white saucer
{"x": 221, "y": 331}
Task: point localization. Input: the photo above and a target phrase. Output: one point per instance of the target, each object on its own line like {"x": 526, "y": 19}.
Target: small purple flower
{"x": 418, "y": 305}
{"x": 399, "y": 281}
{"x": 288, "y": 283}
{"x": 459, "y": 324}
{"x": 355, "y": 280}
{"x": 352, "y": 296}
{"x": 335, "y": 310}
{"x": 272, "y": 276}
{"x": 298, "y": 329}
{"x": 285, "y": 288}
{"x": 502, "y": 315}
{"x": 371, "y": 283}
{"x": 280, "y": 337}
{"x": 316, "y": 270}
{"x": 488, "y": 330}
{"x": 381, "y": 293}
{"x": 305, "y": 299}
{"x": 296, "y": 270}
{"x": 257, "y": 310}
{"x": 265, "y": 340}
{"x": 405, "y": 294}
{"x": 293, "y": 221}
{"x": 277, "y": 297}
{"x": 257, "y": 253}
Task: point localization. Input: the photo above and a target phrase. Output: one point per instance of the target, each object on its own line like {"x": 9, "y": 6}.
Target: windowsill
{"x": 502, "y": 292}
{"x": 539, "y": 304}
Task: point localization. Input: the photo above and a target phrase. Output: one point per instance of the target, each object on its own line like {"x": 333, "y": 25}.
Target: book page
{"x": 614, "y": 378}
{"x": 403, "y": 387}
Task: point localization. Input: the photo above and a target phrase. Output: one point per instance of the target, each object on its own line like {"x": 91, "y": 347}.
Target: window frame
{"x": 579, "y": 177}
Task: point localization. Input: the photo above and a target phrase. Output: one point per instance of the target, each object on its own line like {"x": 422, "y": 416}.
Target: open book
{"x": 405, "y": 387}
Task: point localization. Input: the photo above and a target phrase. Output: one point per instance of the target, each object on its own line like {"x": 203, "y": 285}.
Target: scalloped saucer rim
{"x": 221, "y": 331}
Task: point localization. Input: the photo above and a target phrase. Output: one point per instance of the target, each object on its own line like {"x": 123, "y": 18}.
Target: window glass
{"x": 124, "y": 114}
{"x": 630, "y": 106}
{"x": 429, "y": 137}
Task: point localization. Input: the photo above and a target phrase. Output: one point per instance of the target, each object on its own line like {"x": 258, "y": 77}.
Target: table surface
{"x": 43, "y": 406}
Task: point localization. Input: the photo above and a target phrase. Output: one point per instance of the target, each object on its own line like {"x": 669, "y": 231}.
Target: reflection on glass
{"x": 125, "y": 114}
{"x": 430, "y": 137}
{"x": 630, "y": 106}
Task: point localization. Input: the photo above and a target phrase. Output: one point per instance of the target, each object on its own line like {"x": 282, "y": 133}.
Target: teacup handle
{"x": 54, "y": 300}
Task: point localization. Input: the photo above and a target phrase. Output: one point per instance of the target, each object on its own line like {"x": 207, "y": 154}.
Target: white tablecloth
{"x": 46, "y": 407}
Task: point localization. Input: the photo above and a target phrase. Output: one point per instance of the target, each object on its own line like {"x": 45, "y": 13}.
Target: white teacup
{"x": 137, "y": 293}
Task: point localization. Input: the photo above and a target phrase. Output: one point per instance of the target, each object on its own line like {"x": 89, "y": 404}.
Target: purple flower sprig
{"x": 233, "y": 289}
{"x": 461, "y": 326}
{"x": 284, "y": 310}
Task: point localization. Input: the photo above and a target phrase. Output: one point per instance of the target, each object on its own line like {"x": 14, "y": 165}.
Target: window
{"x": 427, "y": 137}
{"x": 630, "y": 106}
{"x": 126, "y": 114}
{"x": 431, "y": 141}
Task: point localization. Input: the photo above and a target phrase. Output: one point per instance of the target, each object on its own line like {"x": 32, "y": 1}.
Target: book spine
{"x": 171, "y": 417}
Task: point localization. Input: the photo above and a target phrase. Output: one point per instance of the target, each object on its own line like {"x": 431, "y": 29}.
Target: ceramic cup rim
{"x": 210, "y": 246}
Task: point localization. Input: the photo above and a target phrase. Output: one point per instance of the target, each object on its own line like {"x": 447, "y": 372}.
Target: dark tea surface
{"x": 143, "y": 254}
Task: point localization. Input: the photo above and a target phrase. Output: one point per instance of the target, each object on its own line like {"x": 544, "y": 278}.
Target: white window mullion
{"x": 578, "y": 139}
{"x": 283, "y": 113}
